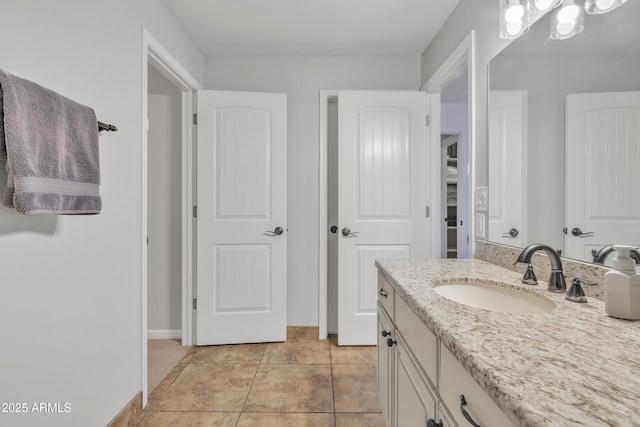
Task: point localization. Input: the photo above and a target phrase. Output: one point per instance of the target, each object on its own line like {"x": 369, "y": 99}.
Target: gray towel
{"x": 50, "y": 144}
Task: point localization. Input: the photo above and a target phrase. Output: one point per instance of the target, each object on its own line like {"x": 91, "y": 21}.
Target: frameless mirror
{"x": 564, "y": 137}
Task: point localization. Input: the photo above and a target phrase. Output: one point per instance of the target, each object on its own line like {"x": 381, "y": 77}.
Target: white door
{"x": 241, "y": 218}
{"x": 383, "y": 189}
{"x": 602, "y": 171}
{"x": 507, "y": 166}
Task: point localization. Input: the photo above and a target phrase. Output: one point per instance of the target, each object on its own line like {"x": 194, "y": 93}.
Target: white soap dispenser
{"x": 622, "y": 286}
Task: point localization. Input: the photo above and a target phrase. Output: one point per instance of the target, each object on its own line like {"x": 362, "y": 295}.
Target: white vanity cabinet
{"x": 419, "y": 380}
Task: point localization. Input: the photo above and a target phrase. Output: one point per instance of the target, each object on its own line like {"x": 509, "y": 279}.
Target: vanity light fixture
{"x": 567, "y": 20}
{"x": 514, "y": 18}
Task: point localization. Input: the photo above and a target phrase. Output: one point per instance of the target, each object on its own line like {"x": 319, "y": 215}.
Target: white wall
{"x": 548, "y": 80}
{"x": 70, "y": 291}
{"x": 164, "y": 289}
{"x": 301, "y": 78}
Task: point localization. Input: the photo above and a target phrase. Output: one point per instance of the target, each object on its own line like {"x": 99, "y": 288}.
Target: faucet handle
{"x": 582, "y": 281}
{"x": 529, "y": 277}
{"x": 576, "y": 293}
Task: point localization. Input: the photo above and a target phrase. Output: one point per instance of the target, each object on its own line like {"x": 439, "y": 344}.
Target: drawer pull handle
{"x": 383, "y": 293}
{"x": 432, "y": 423}
{"x": 385, "y": 333}
{"x": 463, "y": 403}
{"x": 391, "y": 342}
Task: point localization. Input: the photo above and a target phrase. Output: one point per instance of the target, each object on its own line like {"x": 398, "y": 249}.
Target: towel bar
{"x": 107, "y": 127}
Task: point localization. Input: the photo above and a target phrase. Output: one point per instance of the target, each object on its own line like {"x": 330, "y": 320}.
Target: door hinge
{"x": 195, "y": 211}
{"x": 195, "y": 303}
{"x": 195, "y": 118}
{"x": 147, "y": 240}
{"x": 427, "y": 212}
{"x": 427, "y": 120}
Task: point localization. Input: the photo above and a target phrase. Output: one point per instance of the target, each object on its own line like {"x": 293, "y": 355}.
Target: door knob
{"x": 276, "y": 232}
{"x": 334, "y": 229}
{"x": 511, "y": 233}
{"x": 346, "y": 232}
{"x": 579, "y": 233}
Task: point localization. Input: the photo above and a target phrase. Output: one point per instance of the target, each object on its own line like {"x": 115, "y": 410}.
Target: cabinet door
{"x": 415, "y": 403}
{"x": 385, "y": 362}
{"x": 456, "y": 381}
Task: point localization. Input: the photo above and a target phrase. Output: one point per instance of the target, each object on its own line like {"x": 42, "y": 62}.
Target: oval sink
{"x": 494, "y": 298}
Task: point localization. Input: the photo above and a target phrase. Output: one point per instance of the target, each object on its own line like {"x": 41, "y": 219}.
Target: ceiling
{"x": 311, "y": 27}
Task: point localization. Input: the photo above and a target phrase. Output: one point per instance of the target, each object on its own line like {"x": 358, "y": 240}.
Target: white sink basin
{"x": 494, "y": 297}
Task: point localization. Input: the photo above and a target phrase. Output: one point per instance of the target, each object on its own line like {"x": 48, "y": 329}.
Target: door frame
{"x": 463, "y": 55}
{"x": 323, "y": 205}
{"x": 156, "y": 55}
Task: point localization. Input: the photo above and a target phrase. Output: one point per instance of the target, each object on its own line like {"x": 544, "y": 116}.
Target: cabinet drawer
{"x": 386, "y": 295}
{"x": 455, "y": 380}
{"x": 419, "y": 338}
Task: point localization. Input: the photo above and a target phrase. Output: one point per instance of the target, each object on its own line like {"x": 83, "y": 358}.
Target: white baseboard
{"x": 164, "y": 334}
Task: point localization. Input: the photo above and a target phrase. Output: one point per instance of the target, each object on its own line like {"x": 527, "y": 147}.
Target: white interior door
{"x": 383, "y": 191}
{"x": 507, "y": 167}
{"x": 602, "y": 171}
{"x": 241, "y": 219}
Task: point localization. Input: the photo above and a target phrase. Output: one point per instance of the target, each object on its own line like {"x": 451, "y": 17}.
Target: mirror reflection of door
{"x": 507, "y": 167}
{"x": 602, "y": 172}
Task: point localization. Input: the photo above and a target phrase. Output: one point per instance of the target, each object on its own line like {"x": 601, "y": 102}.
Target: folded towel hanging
{"x": 50, "y": 144}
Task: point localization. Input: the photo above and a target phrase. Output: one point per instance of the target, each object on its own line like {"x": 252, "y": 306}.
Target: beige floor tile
{"x": 356, "y": 355}
{"x": 252, "y": 419}
{"x": 355, "y": 388}
{"x": 189, "y": 419}
{"x": 237, "y": 353}
{"x": 360, "y": 420}
{"x": 201, "y": 387}
{"x": 169, "y": 378}
{"x": 291, "y": 388}
{"x": 303, "y": 333}
{"x": 298, "y": 352}
{"x": 162, "y": 356}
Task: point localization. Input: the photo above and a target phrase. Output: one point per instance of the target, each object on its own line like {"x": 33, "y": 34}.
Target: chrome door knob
{"x": 276, "y": 232}
{"x": 579, "y": 233}
{"x": 511, "y": 233}
{"x": 346, "y": 232}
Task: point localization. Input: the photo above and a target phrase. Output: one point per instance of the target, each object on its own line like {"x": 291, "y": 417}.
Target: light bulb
{"x": 596, "y": 7}
{"x": 514, "y": 28}
{"x": 564, "y": 29}
{"x": 568, "y": 14}
{"x": 514, "y": 13}
{"x": 605, "y": 4}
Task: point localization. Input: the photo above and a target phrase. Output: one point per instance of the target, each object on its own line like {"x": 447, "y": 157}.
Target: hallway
{"x": 300, "y": 382}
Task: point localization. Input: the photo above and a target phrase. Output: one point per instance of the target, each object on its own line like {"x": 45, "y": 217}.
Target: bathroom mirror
{"x": 587, "y": 185}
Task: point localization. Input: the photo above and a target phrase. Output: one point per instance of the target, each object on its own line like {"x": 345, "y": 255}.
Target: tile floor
{"x": 301, "y": 382}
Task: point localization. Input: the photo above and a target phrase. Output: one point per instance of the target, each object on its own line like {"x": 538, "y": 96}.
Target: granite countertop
{"x": 575, "y": 366}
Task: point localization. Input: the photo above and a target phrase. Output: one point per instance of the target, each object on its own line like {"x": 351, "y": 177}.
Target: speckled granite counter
{"x": 575, "y": 366}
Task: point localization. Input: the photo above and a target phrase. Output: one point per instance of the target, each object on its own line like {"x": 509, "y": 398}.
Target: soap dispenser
{"x": 622, "y": 286}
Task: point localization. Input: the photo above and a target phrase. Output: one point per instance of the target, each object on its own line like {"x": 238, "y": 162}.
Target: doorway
{"x": 452, "y": 87}
{"x": 157, "y": 57}
{"x": 164, "y": 268}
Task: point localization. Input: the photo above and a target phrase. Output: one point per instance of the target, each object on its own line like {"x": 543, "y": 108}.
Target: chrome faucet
{"x": 556, "y": 279}
{"x": 601, "y": 254}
